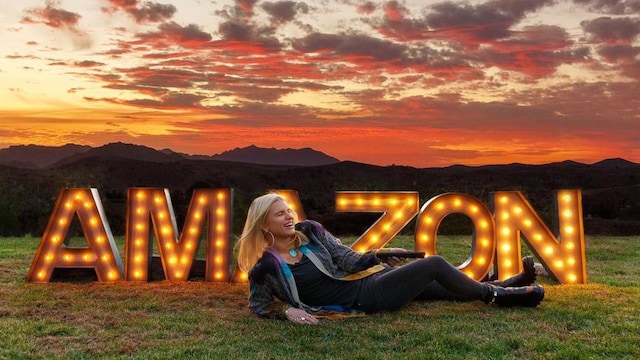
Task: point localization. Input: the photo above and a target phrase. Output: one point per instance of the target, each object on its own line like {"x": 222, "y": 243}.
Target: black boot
{"x": 526, "y": 277}
{"x": 527, "y": 296}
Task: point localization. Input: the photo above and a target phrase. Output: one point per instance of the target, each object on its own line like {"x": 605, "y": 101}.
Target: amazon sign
{"x": 496, "y": 241}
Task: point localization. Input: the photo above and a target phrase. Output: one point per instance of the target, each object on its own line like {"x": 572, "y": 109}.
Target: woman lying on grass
{"x": 301, "y": 272}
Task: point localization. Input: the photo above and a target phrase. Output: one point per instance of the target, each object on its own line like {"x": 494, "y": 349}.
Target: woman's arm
{"x": 263, "y": 303}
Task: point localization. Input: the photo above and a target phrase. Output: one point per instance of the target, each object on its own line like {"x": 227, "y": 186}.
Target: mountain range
{"x": 37, "y": 156}
{"x": 32, "y": 176}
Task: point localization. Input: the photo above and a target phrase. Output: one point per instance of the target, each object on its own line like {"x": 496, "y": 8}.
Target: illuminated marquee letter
{"x": 177, "y": 255}
{"x": 101, "y": 252}
{"x": 478, "y": 265}
{"x": 565, "y": 260}
{"x": 398, "y": 209}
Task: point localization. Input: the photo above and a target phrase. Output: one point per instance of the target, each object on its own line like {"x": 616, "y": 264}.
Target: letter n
{"x": 564, "y": 256}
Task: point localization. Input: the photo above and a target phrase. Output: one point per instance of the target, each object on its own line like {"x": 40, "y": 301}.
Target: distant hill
{"x": 34, "y": 156}
{"x": 37, "y": 156}
{"x": 272, "y": 156}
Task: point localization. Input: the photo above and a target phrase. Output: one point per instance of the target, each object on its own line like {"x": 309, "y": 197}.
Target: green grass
{"x": 161, "y": 320}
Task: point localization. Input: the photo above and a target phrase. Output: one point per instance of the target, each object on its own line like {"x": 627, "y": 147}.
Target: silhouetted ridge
{"x": 125, "y": 151}
{"x": 295, "y": 157}
{"x": 615, "y": 163}
{"x": 37, "y": 156}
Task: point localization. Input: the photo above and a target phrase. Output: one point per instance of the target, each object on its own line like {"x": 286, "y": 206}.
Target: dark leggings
{"x": 431, "y": 278}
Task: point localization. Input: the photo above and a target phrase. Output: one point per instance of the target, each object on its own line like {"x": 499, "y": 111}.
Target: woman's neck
{"x": 284, "y": 244}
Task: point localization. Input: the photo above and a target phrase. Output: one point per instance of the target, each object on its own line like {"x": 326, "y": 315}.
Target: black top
{"x": 317, "y": 289}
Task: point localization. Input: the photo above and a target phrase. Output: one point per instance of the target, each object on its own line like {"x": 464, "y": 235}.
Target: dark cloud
{"x": 488, "y": 21}
{"x": 246, "y": 6}
{"x": 284, "y": 11}
{"x": 168, "y": 101}
{"x": 147, "y": 12}
{"x": 612, "y": 30}
{"x": 241, "y": 31}
{"x": 88, "y": 63}
{"x": 619, "y": 53}
{"x": 191, "y": 34}
{"x": 613, "y": 7}
{"x": 331, "y": 45}
{"x": 236, "y": 30}
{"x": 171, "y": 33}
{"x": 53, "y": 17}
{"x": 366, "y": 8}
{"x": 152, "y": 12}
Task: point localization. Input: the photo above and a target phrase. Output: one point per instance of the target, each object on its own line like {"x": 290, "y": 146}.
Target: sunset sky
{"x": 416, "y": 82}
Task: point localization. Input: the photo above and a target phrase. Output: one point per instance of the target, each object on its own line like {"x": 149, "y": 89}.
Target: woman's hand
{"x": 300, "y": 316}
{"x": 395, "y": 260}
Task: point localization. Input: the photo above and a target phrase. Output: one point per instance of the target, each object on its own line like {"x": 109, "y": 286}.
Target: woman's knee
{"x": 434, "y": 259}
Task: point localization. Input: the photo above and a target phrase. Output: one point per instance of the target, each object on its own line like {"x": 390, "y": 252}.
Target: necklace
{"x": 293, "y": 253}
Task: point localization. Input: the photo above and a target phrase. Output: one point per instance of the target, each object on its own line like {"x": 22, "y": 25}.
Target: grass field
{"x": 163, "y": 320}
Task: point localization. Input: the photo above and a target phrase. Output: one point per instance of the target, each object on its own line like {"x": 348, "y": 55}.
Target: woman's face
{"x": 280, "y": 220}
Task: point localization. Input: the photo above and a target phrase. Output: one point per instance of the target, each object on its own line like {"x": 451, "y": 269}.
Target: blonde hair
{"x": 252, "y": 242}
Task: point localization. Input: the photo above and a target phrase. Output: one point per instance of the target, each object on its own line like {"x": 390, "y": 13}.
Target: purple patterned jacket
{"x": 272, "y": 288}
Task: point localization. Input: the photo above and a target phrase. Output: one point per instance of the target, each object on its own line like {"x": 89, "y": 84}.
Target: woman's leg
{"x": 435, "y": 291}
{"x": 397, "y": 287}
